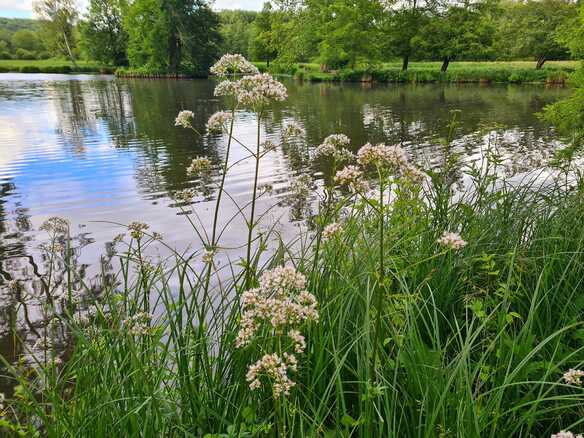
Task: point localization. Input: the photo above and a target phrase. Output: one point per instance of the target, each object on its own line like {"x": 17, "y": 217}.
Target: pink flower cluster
{"x": 233, "y": 64}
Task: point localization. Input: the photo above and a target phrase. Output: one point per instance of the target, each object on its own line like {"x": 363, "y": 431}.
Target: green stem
{"x": 251, "y": 225}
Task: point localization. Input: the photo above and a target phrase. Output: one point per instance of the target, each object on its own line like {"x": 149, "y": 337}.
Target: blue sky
{"x": 23, "y": 8}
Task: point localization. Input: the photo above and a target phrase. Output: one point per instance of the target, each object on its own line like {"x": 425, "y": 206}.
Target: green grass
{"x": 50, "y": 66}
{"x": 463, "y": 71}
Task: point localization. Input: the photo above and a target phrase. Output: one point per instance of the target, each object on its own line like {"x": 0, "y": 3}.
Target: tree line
{"x": 187, "y": 35}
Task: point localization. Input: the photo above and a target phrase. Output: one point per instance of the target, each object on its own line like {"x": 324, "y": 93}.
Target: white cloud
{"x": 16, "y": 5}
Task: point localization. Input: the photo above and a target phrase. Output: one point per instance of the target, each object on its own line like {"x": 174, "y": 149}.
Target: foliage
{"x": 58, "y": 21}
{"x": 236, "y": 29}
{"x": 531, "y": 29}
{"x": 103, "y": 34}
{"x": 174, "y": 36}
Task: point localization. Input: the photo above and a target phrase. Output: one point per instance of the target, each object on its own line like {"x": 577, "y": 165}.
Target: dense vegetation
{"x": 185, "y": 36}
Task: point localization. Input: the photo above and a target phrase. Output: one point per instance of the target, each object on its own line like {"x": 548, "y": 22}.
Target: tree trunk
{"x": 405, "y": 63}
{"x": 69, "y": 52}
{"x": 268, "y": 63}
{"x": 445, "y": 63}
{"x": 540, "y": 62}
{"x": 174, "y": 56}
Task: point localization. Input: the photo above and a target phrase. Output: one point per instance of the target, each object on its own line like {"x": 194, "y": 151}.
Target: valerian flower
{"x": 383, "y": 157}
{"x": 331, "y": 230}
{"x": 138, "y": 324}
{"x": 275, "y": 369}
{"x": 573, "y": 377}
{"x": 413, "y": 174}
{"x": 137, "y": 229}
{"x": 55, "y": 225}
{"x": 219, "y": 122}
{"x": 566, "y": 434}
{"x": 259, "y": 90}
{"x": 292, "y": 130}
{"x": 185, "y": 119}
{"x": 233, "y": 64}
{"x": 301, "y": 187}
{"x": 199, "y": 166}
{"x": 452, "y": 240}
{"x": 352, "y": 177}
{"x": 334, "y": 146}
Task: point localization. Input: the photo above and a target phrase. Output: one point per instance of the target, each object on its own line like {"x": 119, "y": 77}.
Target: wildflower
{"x": 233, "y": 64}
{"x": 269, "y": 146}
{"x": 292, "y": 130}
{"x": 382, "y": 156}
{"x": 280, "y": 301}
{"x": 199, "y": 166}
{"x": 334, "y": 146}
{"x": 413, "y": 174}
{"x": 2, "y": 399}
{"x": 352, "y": 177}
{"x": 274, "y": 368}
{"x": 573, "y": 377}
{"x": 301, "y": 186}
{"x": 156, "y": 235}
{"x": 208, "y": 256}
{"x": 452, "y": 240}
{"x": 184, "y": 119}
{"x": 185, "y": 195}
{"x": 137, "y": 229}
{"x": 331, "y": 230}
{"x": 119, "y": 238}
{"x": 566, "y": 434}
{"x": 298, "y": 339}
{"x": 218, "y": 122}
{"x": 55, "y": 225}
{"x": 265, "y": 189}
{"x": 138, "y": 324}
{"x": 259, "y": 90}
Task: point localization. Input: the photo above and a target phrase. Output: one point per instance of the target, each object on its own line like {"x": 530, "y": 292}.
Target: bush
{"x": 25, "y": 54}
{"x": 5, "y": 54}
{"x": 29, "y": 69}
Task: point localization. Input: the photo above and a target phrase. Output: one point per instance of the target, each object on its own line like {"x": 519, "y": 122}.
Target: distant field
{"x": 47, "y": 66}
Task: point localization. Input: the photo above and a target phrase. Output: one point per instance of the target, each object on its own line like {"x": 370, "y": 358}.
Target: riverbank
{"x": 52, "y": 66}
{"x": 554, "y": 72}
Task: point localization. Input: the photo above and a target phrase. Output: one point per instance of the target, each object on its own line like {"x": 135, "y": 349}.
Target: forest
{"x": 186, "y": 36}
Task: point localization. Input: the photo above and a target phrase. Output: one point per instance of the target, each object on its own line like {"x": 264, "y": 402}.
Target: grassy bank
{"x": 51, "y": 66}
{"x": 411, "y": 307}
{"x": 555, "y": 72}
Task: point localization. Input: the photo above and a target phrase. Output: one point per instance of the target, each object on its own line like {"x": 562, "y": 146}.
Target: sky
{"x": 23, "y": 8}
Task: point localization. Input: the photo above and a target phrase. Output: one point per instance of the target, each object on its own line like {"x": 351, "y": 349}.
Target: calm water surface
{"x": 97, "y": 150}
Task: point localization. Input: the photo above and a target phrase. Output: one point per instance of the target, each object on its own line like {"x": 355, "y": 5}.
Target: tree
{"x": 172, "y": 35}
{"x": 530, "y": 29}
{"x": 405, "y": 19}
{"x": 25, "y": 39}
{"x": 571, "y": 34}
{"x": 103, "y": 34}
{"x": 349, "y": 30}
{"x": 262, "y": 44}
{"x": 59, "y": 18}
{"x": 459, "y": 32}
{"x": 236, "y": 28}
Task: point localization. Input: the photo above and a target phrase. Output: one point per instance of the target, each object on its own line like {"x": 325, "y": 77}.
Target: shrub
{"x": 29, "y": 69}
{"x": 25, "y": 54}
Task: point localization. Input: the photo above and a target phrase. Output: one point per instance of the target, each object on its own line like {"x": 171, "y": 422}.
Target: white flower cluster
{"x": 184, "y": 119}
{"x": 274, "y": 368}
{"x": 55, "y": 225}
{"x": 352, "y": 177}
{"x": 301, "y": 187}
{"x": 199, "y": 166}
{"x": 452, "y": 240}
{"x": 566, "y": 434}
{"x": 280, "y": 304}
{"x": 382, "y": 156}
{"x": 253, "y": 91}
{"x": 138, "y": 324}
{"x": 219, "y": 122}
{"x": 334, "y": 146}
{"x": 292, "y": 130}
{"x": 233, "y": 64}
{"x": 331, "y": 230}
{"x": 573, "y": 377}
